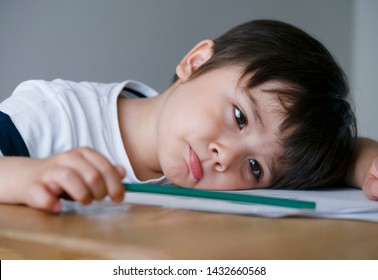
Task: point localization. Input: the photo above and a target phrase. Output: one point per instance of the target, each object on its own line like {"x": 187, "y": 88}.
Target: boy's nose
{"x": 223, "y": 156}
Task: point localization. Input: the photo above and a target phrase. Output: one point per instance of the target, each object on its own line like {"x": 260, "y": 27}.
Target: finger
{"x": 69, "y": 181}
{"x": 39, "y": 196}
{"x": 58, "y": 191}
{"x": 110, "y": 173}
{"x": 91, "y": 176}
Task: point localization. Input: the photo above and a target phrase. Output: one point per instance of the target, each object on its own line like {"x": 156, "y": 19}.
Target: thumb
{"x": 40, "y": 196}
{"x": 121, "y": 171}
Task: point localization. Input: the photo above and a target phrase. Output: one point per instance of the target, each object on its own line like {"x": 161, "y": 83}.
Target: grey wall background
{"x": 114, "y": 40}
{"x": 364, "y": 75}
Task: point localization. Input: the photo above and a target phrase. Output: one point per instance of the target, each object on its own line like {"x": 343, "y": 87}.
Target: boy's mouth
{"x": 195, "y": 165}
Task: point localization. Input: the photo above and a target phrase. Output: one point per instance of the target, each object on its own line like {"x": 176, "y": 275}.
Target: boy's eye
{"x": 240, "y": 118}
{"x": 255, "y": 168}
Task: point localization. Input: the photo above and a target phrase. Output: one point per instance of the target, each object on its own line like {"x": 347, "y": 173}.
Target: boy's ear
{"x": 194, "y": 59}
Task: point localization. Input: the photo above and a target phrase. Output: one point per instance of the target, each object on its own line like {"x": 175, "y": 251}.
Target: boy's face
{"x": 212, "y": 134}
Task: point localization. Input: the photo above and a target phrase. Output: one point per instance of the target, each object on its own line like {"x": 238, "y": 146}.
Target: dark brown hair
{"x": 322, "y": 126}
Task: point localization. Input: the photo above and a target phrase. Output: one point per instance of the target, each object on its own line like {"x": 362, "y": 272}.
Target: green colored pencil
{"x": 234, "y": 197}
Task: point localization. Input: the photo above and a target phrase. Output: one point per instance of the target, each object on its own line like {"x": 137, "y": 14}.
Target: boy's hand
{"x": 370, "y": 184}
{"x": 82, "y": 174}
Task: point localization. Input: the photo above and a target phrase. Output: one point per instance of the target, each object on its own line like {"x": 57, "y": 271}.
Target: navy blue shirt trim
{"x": 11, "y": 142}
{"x": 135, "y": 92}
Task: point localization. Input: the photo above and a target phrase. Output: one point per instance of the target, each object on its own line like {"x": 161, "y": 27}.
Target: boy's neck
{"x": 138, "y": 125}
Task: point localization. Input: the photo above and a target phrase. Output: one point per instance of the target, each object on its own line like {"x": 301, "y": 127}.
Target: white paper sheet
{"x": 339, "y": 203}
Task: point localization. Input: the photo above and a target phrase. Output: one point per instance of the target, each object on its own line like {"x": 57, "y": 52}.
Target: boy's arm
{"x": 364, "y": 169}
{"x": 15, "y": 173}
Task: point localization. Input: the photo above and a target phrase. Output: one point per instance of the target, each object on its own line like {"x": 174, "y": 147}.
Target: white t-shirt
{"x": 43, "y": 118}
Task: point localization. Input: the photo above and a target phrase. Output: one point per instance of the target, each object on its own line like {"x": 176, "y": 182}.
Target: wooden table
{"x": 148, "y": 232}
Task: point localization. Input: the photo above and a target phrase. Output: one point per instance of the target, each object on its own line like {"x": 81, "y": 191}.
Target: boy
{"x": 264, "y": 105}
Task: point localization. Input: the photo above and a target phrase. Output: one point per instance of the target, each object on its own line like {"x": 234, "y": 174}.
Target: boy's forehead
{"x": 266, "y": 96}
{"x": 269, "y": 86}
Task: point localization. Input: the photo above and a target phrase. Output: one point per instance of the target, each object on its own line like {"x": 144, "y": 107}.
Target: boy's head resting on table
{"x": 264, "y": 105}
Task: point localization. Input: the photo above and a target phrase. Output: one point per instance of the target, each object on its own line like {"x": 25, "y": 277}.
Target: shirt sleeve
{"x": 32, "y": 120}
{"x": 51, "y": 117}
{"x": 11, "y": 142}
